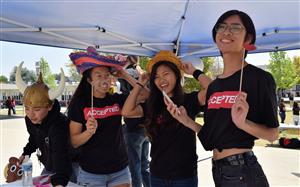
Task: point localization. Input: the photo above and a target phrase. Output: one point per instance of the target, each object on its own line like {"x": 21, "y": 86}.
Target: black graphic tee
{"x": 105, "y": 151}
{"x": 219, "y": 131}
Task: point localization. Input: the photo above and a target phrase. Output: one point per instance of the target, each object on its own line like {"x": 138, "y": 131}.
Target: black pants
{"x": 240, "y": 170}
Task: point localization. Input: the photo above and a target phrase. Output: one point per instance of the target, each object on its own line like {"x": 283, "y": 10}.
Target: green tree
{"x": 74, "y": 75}
{"x": 48, "y": 77}
{"x": 3, "y": 79}
{"x": 208, "y": 64}
{"x": 296, "y": 63}
{"x": 27, "y": 75}
{"x": 191, "y": 84}
{"x": 143, "y": 62}
{"x": 282, "y": 69}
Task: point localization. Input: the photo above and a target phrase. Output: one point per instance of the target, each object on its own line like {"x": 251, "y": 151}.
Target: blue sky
{"x": 13, "y": 54}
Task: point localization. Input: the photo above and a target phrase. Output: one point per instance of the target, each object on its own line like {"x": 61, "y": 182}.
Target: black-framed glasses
{"x": 233, "y": 28}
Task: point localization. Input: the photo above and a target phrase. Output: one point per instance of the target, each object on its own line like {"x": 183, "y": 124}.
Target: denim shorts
{"x": 104, "y": 180}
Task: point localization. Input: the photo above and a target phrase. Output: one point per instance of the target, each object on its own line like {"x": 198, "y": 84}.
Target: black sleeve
{"x": 31, "y": 145}
{"x": 75, "y": 113}
{"x": 60, "y": 154}
{"x": 192, "y": 104}
{"x": 269, "y": 102}
{"x": 122, "y": 98}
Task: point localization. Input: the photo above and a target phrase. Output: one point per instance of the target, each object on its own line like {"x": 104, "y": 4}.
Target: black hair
{"x": 246, "y": 20}
{"x": 155, "y": 106}
{"x": 83, "y": 90}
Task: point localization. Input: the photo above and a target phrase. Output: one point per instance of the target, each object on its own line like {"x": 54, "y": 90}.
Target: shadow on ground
{"x": 2, "y": 117}
{"x": 296, "y": 174}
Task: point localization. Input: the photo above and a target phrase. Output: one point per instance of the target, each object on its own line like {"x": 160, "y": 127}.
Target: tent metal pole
{"x": 290, "y": 45}
{"x": 198, "y": 52}
{"x": 120, "y": 45}
{"x": 45, "y": 29}
{"x": 14, "y": 22}
{"x": 67, "y": 38}
{"x": 19, "y": 30}
{"x": 154, "y": 44}
{"x": 277, "y": 31}
{"x": 71, "y": 29}
{"x": 181, "y": 28}
{"x": 46, "y": 32}
{"x": 196, "y": 45}
{"x": 129, "y": 40}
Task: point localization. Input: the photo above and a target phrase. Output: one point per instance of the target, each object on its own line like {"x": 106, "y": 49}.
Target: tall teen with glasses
{"x": 234, "y": 119}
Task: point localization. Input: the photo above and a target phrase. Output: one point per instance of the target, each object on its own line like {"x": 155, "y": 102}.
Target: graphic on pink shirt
{"x": 222, "y": 99}
{"x": 100, "y": 113}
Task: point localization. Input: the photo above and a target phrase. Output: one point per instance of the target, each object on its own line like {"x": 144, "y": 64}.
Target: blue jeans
{"x": 282, "y": 116}
{"x": 188, "y": 182}
{"x": 138, "y": 155}
{"x": 240, "y": 170}
{"x": 75, "y": 171}
{"x": 103, "y": 180}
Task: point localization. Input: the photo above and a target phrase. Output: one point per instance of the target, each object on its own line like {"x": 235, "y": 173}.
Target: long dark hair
{"x": 156, "y": 107}
{"x": 83, "y": 90}
{"x": 246, "y": 20}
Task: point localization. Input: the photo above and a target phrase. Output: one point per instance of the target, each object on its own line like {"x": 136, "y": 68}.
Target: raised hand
{"x": 143, "y": 78}
{"x": 240, "y": 110}
{"x": 91, "y": 125}
{"x": 188, "y": 68}
{"x": 119, "y": 73}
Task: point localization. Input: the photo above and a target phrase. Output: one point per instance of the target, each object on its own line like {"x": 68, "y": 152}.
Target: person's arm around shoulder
{"x": 239, "y": 113}
{"x": 78, "y": 137}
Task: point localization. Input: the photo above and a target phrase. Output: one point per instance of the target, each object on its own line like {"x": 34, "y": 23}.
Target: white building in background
{"x": 12, "y": 91}
{"x": 37, "y": 68}
{"x": 9, "y": 90}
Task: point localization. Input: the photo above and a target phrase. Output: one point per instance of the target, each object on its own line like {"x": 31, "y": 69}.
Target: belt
{"x": 234, "y": 160}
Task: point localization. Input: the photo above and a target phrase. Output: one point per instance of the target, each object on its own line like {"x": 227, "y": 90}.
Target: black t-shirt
{"x": 173, "y": 150}
{"x": 282, "y": 107}
{"x": 296, "y": 111}
{"x": 218, "y": 130}
{"x": 105, "y": 151}
{"x": 134, "y": 124}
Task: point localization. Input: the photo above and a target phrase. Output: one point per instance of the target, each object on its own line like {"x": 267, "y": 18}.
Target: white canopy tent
{"x": 144, "y": 27}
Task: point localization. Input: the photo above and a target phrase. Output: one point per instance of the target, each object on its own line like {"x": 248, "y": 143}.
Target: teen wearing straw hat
{"x": 173, "y": 146}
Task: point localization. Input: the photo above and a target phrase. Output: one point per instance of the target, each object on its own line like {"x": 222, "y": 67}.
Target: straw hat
{"x": 164, "y": 56}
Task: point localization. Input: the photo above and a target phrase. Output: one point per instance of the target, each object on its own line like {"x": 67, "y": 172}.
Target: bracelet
{"x": 140, "y": 84}
{"x": 197, "y": 73}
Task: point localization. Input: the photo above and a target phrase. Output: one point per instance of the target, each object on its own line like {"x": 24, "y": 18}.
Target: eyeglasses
{"x": 233, "y": 28}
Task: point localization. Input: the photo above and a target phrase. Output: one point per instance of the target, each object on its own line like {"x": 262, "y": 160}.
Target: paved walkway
{"x": 282, "y": 166}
